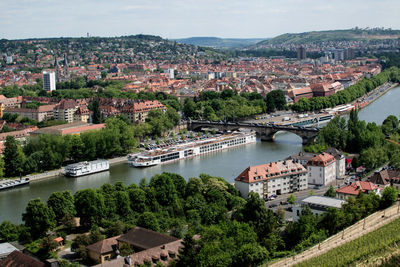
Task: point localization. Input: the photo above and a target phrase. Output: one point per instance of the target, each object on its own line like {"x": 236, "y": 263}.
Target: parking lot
{"x": 176, "y": 140}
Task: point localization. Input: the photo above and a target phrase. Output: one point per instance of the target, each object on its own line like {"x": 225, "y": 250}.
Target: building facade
{"x": 49, "y": 80}
{"x": 321, "y": 169}
{"x": 274, "y": 178}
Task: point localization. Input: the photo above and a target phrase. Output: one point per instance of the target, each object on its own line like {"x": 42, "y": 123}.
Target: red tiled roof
{"x": 104, "y": 246}
{"x": 357, "y": 187}
{"x": 143, "y": 238}
{"x": 19, "y": 259}
{"x": 323, "y": 160}
{"x": 270, "y": 171}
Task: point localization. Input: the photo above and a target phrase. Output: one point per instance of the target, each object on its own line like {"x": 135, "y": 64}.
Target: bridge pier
{"x": 267, "y": 138}
{"x": 306, "y": 140}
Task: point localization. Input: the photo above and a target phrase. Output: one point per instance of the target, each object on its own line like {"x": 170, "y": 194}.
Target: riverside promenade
{"x": 58, "y": 172}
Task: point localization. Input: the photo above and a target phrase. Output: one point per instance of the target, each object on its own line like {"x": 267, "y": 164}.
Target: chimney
{"x": 128, "y": 260}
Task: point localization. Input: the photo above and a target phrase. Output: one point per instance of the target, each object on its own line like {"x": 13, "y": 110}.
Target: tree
{"x": 276, "y": 100}
{"x": 148, "y": 220}
{"x": 14, "y": 158}
{"x": 89, "y": 206}
{"x": 187, "y": 254}
{"x": 9, "y": 231}
{"x": 254, "y": 212}
{"x": 389, "y": 196}
{"x": 250, "y": 255}
{"x": 330, "y": 192}
{"x": 96, "y": 111}
{"x": 62, "y": 203}
{"x": 38, "y": 217}
{"x": 137, "y": 200}
{"x": 291, "y": 199}
{"x": 164, "y": 188}
{"x": 126, "y": 250}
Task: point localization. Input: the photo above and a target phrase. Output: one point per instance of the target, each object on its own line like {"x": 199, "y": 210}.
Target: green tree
{"x": 126, "y": 250}
{"x": 330, "y": 192}
{"x": 62, "y": 203}
{"x": 14, "y": 158}
{"x": 9, "y": 231}
{"x": 89, "y": 207}
{"x": 96, "y": 111}
{"x": 149, "y": 221}
{"x": 291, "y": 199}
{"x": 389, "y": 196}
{"x": 164, "y": 188}
{"x": 38, "y": 217}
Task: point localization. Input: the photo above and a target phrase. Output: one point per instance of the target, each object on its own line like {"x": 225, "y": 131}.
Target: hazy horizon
{"x": 176, "y": 19}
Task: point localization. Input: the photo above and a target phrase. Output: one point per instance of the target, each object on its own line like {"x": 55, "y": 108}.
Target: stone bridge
{"x": 266, "y": 132}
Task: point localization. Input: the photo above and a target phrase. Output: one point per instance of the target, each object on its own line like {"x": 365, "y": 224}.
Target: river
{"x": 227, "y": 164}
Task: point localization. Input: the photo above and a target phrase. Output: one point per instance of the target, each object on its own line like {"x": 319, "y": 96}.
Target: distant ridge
{"x": 220, "y": 43}
{"x": 333, "y": 35}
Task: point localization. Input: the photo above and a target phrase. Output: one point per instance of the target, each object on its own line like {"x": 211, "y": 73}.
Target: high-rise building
{"x": 301, "y": 53}
{"x": 49, "y": 80}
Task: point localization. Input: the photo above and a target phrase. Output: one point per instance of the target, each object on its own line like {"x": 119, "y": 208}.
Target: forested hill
{"x": 333, "y": 36}
{"x": 124, "y": 48}
{"x": 220, "y": 43}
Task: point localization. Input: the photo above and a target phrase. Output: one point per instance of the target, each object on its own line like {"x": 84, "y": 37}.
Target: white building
{"x": 170, "y": 72}
{"x": 321, "y": 169}
{"x": 317, "y": 205}
{"x": 49, "y": 80}
{"x": 340, "y": 161}
{"x": 274, "y": 178}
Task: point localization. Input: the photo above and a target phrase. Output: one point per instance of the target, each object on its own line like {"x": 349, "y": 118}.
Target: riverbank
{"x": 370, "y": 97}
{"x": 54, "y": 173}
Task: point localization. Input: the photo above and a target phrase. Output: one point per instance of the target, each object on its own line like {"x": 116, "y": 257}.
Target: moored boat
{"x": 87, "y": 167}
{"x": 192, "y": 149}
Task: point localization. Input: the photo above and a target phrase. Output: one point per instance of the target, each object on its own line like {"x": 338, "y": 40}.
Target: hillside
{"x": 333, "y": 36}
{"x": 220, "y": 43}
{"x": 103, "y": 49}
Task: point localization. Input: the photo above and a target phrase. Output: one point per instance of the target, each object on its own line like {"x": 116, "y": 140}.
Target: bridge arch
{"x": 266, "y": 132}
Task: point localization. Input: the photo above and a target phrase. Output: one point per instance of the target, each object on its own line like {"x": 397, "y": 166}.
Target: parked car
{"x": 273, "y": 206}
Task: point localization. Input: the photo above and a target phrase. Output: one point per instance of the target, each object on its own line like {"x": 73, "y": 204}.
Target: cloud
{"x": 183, "y": 18}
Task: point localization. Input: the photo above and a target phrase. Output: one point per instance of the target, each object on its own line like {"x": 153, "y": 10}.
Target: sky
{"x": 187, "y": 18}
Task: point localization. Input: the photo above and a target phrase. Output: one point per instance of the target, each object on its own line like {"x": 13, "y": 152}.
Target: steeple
{"x": 56, "y": 68}
{"x": 66, "y": 70}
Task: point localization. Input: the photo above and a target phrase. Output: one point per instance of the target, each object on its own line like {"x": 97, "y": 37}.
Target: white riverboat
{"x": 87, "y": 167}
{"x": 192, "y": 149}
{"x": 13, "y": 183}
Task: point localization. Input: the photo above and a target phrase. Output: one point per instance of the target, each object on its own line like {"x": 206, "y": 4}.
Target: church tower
{"x": 57, "y": 68}
{"x": 66, "y": 67}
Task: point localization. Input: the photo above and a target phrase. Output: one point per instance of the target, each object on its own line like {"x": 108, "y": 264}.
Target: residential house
{"x": 82, "y": 114}
{"x": 103, "y": 250}
{"x": 355, "y": 188}
{"x": 321, "y": 169}
{"x": 65, "y": 110}
{"x": 17, "y": 259}
{"x": 385, "y": 178}
{"x": 340, "y": 161}
{"x": 161, "y": 255}
{"x": 272, "y": 178}
{"x": 317, "y": 205}
{"x": 147, "y": 244}
{"x": 138, "y": 111}
{"x": 39, "y": 114}
{"x": 322, "y": 89}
